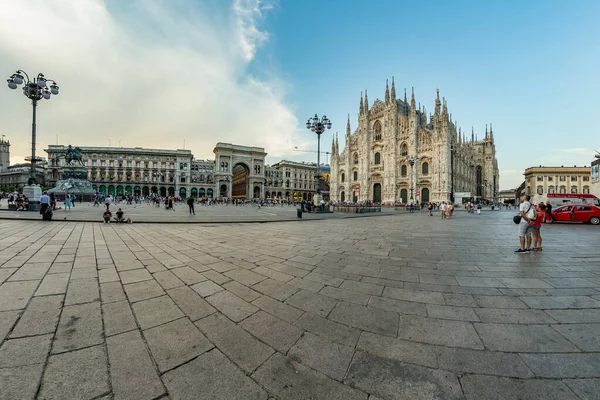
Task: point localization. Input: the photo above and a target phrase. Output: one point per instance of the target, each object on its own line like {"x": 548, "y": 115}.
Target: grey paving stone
{"x": 5, "y": 273}
{"x": 28, "y": 272}
{"x": 118, "y": 318}
{"x": 479, "y": 282}
{"x": 439, "y": 331}
{"x": 523, "y": 338}
{"x": 418, "y": 296}
{"x": 275, "y": 289}
{"x": 575, "y": 316}
{"x": 293, "y": 381}
{"x": 232, "y": 306}
{"x": 560, "y": 302}
{"x": 222, "y": 266}
{"x": 53, "y": 284}
{"x": 305, "y": 284}
{"x": 304, "y": 260}
{"x": 20, "y": 382}
{"x": 82, "y": 291}
{"x": 331, "y": 330}
{"x": 323, "y": 355}
{"x": 245, "y": 277}
{"x": 143, "y": 290}
{"x": 477, "y": 387}
{"x": 241, "y": 291}
{"x": 368, "y": 319}
{"x": 203, "y": 378}
{"x": 84, "y": 273}
{"x": 526, "y": 283}
{"x": 7, "y": 321}
{"x": 216, "y": 277}
{"x": 188, "y": 275}
{"x": 460, "y": 300}
{"x": 397, "y": 275}
{"x": 192, "y": 305}
{"x": 289, "y": 269}
{"x": 206, "y": 288}
{"x": 156, "y": 311}
{"x": 372, "y": 271}
{"x": 399, "y": 349}
{"x": 167, "y": 279}
{"x": 482, "y": 362}
{"x": 513, "y": 316}
{"x": 324, "y": 279}
{"x": 40, "y": 316}
{"x": 80, "y": 374}
{"x": 60, "y": 267}
{"x": 399, "y": 306}
{"x": 392, "y": 379}
{"x": 451, "y": 312}
{"x": 585, "y": 336}
{"x": 25, "y": 351}
{"x": 132, "y": 372}
{"x": 362, "y": 287}
{"x": 345, "y": 295}
{"x": 15, "y": 295}
{"x": 237, "y": 344}
{"x": 564, "y": 365}
{"x": 499, "y": 302}
{"x": 134, "y": 275}
{"x": 312, "y": 302}
{"x": 80, "y": 326}
{"x": 271, "y": 330}
{"x": 273, "y": 274}
{"x": 588, "y": 389}
{"x": 565, "y": 282}
{"x": 111, "y": 292}
{"x": 108, "y": 275}
{"x": 278, "y": 309}
{"x": 175, "y": 343}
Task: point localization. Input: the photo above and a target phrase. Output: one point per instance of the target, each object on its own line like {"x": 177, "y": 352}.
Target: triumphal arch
{"x": 239, "y": 171}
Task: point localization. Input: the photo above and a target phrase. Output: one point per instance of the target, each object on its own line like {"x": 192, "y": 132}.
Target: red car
{"x": 585, "y": 213}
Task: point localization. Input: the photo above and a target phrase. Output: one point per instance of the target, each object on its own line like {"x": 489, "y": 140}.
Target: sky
{"x": 175, "y": 73}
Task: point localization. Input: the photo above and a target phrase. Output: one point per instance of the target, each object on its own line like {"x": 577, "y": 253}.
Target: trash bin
{"x": 299, "y": 213}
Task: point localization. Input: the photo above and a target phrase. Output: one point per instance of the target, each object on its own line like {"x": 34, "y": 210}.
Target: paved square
{"x": 395, "y": 306}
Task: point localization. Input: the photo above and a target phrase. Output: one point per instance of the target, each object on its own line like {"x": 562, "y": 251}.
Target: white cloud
{"x": 148, "y": 73}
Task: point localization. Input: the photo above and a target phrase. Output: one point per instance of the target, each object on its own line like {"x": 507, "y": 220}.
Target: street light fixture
{"x": 411, "y": 161}
{"x": 35, "y": 90}
{"x": 318, "y": 127}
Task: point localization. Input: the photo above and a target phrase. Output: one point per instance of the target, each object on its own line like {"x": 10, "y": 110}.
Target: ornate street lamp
{"x": 452, "y": 148}
{"x": 318, "y": 127}
{"x": 412, "y": 161}
{"x": 35, "y": 90}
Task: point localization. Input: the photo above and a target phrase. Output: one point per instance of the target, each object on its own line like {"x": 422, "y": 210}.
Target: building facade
{"x": 291, "y": 180}
{"x": 543, "y": 180}
{"x": 239, "y": 171}
{"x": 595, "y": 177}
{"x": 399, "y": 154}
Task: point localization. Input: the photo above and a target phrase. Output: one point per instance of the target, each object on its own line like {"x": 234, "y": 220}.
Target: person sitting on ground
{"x": 107, "y": 216}
{"x": 119, "y": 218}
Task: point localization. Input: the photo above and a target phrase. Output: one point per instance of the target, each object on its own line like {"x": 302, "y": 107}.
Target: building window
{"x": 551, "y": 189}
{"x": 563, "y": 178}
{"x": 355, "y": 176}
{"x": 586, "y": 178}
{"x": 403, "y": 171}
{"x": 550, "y": 179}
{"x": 540, "y": 190}
{"x": 573, "y": 179}
{"x": 377, "y": 129}
{"x": 377, "y": 158}
{"x": 343, "y": 177}
{"x": 586, "y": 190}
{"x": 425, "y": 168}
{"x": 540, "y": 178}
{"x": 182, "y": 179}
{"x": 404, "y": 150}
{"x": 355, "y": 158}
{"x": 573, "y": 189}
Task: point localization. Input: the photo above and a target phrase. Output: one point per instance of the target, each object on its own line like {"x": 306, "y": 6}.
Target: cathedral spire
{"x": 361, "y": 107}
{"x": 348, "y": 126}
{"x": 491, "y": 133}
{"x": 387, "y": 92}
{"x": 337, "y": 144}
{"x": 333, "y": 146}
{"x": 472, "y": 134}
{"x": 405, "y": 100}
{"x": 486, "y": 132}
{"x": 366, "y": 102}
{"x": 459, "y": 135}
{"x": 393, "y": 91}
{"x": 412, "y": 100}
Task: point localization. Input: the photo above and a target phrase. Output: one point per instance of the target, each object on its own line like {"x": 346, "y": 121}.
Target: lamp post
{"x": 412, "y": 161}
{"x": 318, "y": 127}
{"x": 35, "y": 90}
{"x": 452, "y": 173}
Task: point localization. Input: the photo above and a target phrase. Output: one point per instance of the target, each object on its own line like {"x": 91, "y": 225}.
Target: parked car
{"x": 585, "y": 213}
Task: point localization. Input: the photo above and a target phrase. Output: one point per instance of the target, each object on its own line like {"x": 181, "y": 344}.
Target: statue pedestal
{"x": 33, "y": 194}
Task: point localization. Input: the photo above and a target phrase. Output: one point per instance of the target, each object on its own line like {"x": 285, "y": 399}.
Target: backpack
{"x": 532, "y": 213}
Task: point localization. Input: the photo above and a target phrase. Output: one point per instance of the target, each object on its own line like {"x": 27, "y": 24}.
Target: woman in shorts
{"x": 537, "y": 225}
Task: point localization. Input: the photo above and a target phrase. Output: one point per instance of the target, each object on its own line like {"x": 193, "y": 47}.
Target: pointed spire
{"x": 412, "y": 100}
{"x": 437, "y": 110}
{"x": 491, "y": 133}
{"x": 333, "y": 146}
{"x": 348, "y": 126}
{"x": 405, "y": 100}
{"x": 472, "y": 134}
{"x": 337, "y": 145}
{"x": 387, "y": 92}
{"x": 366, "y": 107}
{"x": 460, "y": 135}
{"x": 393, "y": 91}
{"x": 361, "y": 108}
{"x": 486, "y": 132}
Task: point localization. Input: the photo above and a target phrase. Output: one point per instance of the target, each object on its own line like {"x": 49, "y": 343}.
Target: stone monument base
{"x": 33, "y": 194}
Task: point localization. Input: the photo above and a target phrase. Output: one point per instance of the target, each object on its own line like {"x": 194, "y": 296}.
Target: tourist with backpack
{"x": 525, "y": 220}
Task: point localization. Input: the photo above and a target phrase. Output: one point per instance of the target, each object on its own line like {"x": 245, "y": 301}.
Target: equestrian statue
{"x": 73, "y": 156}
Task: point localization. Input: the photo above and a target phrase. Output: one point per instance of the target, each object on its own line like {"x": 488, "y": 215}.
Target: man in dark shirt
{"x": 190, "y": 203}
{"x": 548, "y": 211}
{"x": 120, "y": 218}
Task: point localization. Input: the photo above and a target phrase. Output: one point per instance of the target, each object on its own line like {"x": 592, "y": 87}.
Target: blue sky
{"x": 154, "y": 73}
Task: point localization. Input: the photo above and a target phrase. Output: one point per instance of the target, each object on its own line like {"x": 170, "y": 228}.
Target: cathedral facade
{"x": 398, "y": 154}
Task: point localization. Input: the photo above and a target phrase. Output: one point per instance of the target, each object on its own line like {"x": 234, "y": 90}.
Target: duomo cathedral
{"x": 398, "y": 154}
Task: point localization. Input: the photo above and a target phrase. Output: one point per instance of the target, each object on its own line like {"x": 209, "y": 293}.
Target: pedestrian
{"x": 548, "y": 213}
{"x": 45, "y": 207}
{"x": 528, "y": 216}
{"x": 430, "y": 209}
{"x": 443, "y": 209}
{"x": 478, "y": 208}
{"x": 537, "y": 226}
{"x": 67, "y": 202}
{"x": 190, "y": 203}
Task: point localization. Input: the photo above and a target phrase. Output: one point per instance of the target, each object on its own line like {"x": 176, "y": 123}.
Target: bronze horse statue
{"x": 73, "y": 156}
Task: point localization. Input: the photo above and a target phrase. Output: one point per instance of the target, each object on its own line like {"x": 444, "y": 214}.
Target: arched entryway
{"x": 183, "y": 193}
{"x": 209, "y": 193}
{"x": 223, "y": 191}
{"x": 194, "y": 192}
{"x": 128, "y": 190}
{"x": 171, "y": 191}
{"x": 425, "y": 195}
{"x": 154, "y": 190}
{"x": 102, "y": 189}
{"x": 163, "y": 192}
{"x": 111, "y": 190}
{"x": 256, "y": 192}
{"x": 404, "y": 196}
{"x": 354, "y": 197}
{"x": 145, "y": 191}
{"x": 239, "y": 181}
{"x": 377, "y": 193}
{"x": 343, "y": 196}
{"x": 201, "y": 192}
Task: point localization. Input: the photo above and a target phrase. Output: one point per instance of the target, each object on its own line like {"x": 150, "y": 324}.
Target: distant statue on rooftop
{"x": 73, "y": 156}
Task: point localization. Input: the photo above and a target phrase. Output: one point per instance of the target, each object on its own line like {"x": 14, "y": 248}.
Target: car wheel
{"x": 595, "y": 221}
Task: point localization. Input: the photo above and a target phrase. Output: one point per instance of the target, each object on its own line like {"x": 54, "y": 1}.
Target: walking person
{"x": 190, "y": 203}
{"x": 528, "y": 216}
{"x": 430, "y": 209}
{"x": 537, "y": 226}
{"x": 67, "y": 202}
{"x": 443, "y": 209}
{"x": 548, "y": 213}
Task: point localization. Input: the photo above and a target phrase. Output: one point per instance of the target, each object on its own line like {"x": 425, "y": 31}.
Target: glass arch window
{"x": 355, "y": 158}
{"x": 377, "y": 129}
{"x": 343, "y": 177}
{"x": 377, "y": 158}
{"x": 404, "y": 150}
{"x": 425, "y": 168}
{"x": 355, "y": 175}
{"x": 403, "y": 170}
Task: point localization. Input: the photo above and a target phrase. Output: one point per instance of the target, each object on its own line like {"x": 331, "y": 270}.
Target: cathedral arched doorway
{"x": 377, "y": 193}
{"x": 239, "y": 181}
{"x": 163, "y": 192}
{"x": 404, "y": 196}
{"x": 425, "y": 195}
{"x": 257, "y": 192}
{"x": 223, "y": 191}
{"x": 343, "y": 197}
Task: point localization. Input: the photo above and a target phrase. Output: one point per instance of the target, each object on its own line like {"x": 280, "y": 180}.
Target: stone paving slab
{"x": 319, "y": 310}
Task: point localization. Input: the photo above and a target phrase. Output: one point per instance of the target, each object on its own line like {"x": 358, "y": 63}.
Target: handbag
{"x": 517, "y": 218}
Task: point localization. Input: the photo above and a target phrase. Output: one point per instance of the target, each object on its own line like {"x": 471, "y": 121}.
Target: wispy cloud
{"x": 146, "y": 73}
